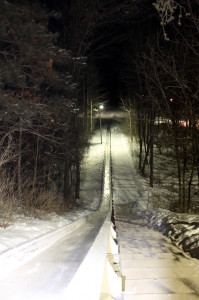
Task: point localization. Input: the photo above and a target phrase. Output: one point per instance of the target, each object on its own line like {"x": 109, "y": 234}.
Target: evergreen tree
{"x": 37, "y": 99}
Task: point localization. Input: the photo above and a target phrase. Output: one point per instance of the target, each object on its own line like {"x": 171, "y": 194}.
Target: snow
{"x": 130, "y": 196}
{"x": 47, "y": 275}
{"x": 89, "y": 286}
{"x": 24, "y": 228}
{"x": 128, "y": 186}
{"x": 182, "y": 229}
{"x": 92, "y": 172}
{"x": 134, "y": 192}
{"x": 154, "y": 267}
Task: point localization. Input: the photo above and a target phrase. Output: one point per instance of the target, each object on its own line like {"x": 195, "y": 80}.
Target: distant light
{"x": 101, "y": 106}
{"x": 171, "y": 99}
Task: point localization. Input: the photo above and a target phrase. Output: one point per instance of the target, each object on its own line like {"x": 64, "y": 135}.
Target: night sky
{"x": 109, "y": 41}
{"x": 110, "y": 58}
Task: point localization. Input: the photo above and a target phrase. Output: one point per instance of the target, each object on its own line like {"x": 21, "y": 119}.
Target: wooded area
{"x": 52, "y": 62}
{"x": 41, "y": 140}
{"x": 164, "y": 106}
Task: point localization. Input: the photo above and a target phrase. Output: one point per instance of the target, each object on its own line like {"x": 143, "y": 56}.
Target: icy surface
{"x": 48, "y": 274}
{"x": 182, "y": 229}
{"x": 24, "y": 228}
{"x": 130, "y": 193}
{"x": 128, "y": 186}
{"x": 154, "y": 268}
{"x": 92, "y": 172}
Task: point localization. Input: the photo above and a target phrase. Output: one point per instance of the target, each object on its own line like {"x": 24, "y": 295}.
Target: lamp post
{"x": 100, "y": 109}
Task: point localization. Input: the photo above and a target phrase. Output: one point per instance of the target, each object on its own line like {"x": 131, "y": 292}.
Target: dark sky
{"x": 107, "y": 61}
{"x": 113, "y": 37}
{"x": 110, "y": 39}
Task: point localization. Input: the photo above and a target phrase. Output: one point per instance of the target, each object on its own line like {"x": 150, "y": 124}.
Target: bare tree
{"x": 174, "y": 76}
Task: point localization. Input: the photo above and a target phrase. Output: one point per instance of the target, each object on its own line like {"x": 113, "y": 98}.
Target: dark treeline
{"x": 47, "y": 97}
{"x": 41, "y": 141}
{"x": 160, "y": 92}
{"x": 49, "y": 89}
{"x": 60, "y": 59}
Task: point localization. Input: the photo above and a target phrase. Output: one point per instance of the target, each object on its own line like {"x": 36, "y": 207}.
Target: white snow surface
{"x": 182, "y": 229}
{"x": 24, "y": 228}
{"x": 128, "y": 186}
{"x": 131, "y": 192}
{"x": 47, "y": 274}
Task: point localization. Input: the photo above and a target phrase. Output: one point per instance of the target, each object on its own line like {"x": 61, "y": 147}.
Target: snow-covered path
{"x": 126, "y": 184}
{"x": 154, "y": 268}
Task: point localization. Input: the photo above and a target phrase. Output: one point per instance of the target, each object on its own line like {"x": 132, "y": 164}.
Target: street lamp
{"x": 100, "y": 110}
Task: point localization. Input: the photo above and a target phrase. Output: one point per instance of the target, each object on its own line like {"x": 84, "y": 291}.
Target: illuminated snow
{"x": 128, "y": 193}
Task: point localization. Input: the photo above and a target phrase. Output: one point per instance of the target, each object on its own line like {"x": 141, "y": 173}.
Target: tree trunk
{"x": 140, "y": 140}
{"x": 189, "y": 187}
{"x": 151, "y": 143}
{"x": 91, "y": 120}
{"x": 184, "y": 183}
{"x": 130, "y": 124}
{"x": 151, "y": 157}
{"x": 35, "y": 166}
{"x": 147, "y": 143}
{"x": 66, "y": 179}
{"x": 145, "y": 159}
{"x": 179, "y": 176}
{"x": 77, "y": 181}
{"x": 19, "y": 161}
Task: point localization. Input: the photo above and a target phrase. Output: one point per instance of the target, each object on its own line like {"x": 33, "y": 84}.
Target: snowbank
{"x": 182, "y": 229}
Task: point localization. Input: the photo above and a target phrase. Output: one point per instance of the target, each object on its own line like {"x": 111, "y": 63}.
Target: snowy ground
{"x": 24, "y": 228}
{"x": 130, "y": 188}
{"x": 92, "y": 172}
{"x": 132, "y": 194}
{"x": 39, "y": 257}
{"x": 182, "y": 229}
